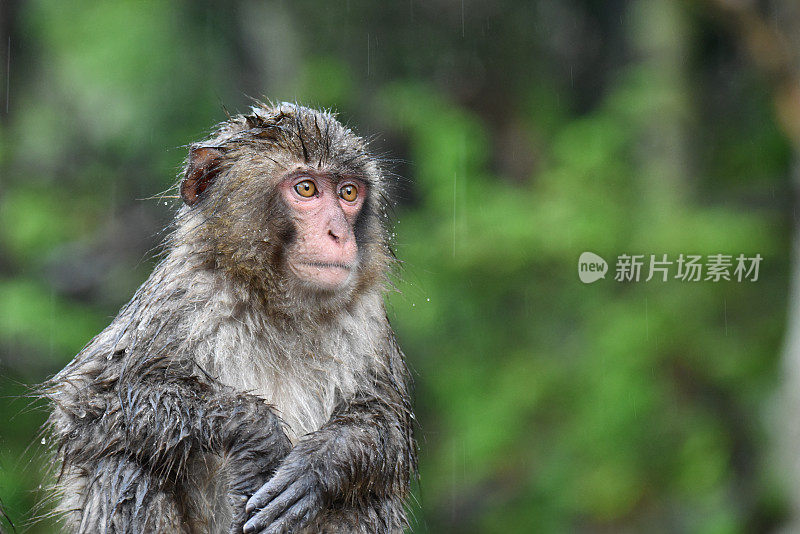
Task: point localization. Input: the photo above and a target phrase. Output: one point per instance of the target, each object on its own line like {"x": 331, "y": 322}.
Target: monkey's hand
{"x": 238, "y": 496}
{"x": 289, "y": 501}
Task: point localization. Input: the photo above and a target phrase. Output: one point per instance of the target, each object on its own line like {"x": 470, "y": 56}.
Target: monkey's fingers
{"x": 289, "y": 505}
{"x": 269, "y": 491}
{"x": 293, "y": 518}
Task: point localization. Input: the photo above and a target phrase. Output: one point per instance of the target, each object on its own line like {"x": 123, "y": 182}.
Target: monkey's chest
{"x": 302, "y": 381}
{"x": 303, "y": 393}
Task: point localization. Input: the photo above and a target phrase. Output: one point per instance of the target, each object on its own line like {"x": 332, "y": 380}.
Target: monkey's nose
{"x": 333, "y": 236}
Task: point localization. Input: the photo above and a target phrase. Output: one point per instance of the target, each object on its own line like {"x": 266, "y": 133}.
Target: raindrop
{"x": 44, "y": 441}
{"x": 412, "y": 304}
{"x": 428, "y": 299}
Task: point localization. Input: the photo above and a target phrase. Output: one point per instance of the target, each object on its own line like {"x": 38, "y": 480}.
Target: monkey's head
{"x": 287, "y": 200}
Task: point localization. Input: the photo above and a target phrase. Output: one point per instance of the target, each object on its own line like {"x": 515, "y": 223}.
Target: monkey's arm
{"x": 165, "y": 423}
{"x": 364, "y": 452}
{"x": 168, "y": 422}
{"x": 162, "y": 421}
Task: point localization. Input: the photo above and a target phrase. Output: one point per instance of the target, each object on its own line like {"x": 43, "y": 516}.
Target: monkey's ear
{"x": 202, "y": 169}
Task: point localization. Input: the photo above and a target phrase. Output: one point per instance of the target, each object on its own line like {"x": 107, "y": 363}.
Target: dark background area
{"x": 523, "y": 133}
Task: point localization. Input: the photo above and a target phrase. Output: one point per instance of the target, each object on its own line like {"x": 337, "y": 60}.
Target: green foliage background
{"x": 524, "y": 133}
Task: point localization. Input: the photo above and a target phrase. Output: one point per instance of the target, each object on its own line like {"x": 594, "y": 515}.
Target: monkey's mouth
{"x": 323, "y": 274}
{"x": 327, "y": 265}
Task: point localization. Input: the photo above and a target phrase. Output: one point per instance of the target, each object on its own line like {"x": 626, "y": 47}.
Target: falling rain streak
{"x": 8, "y": 72}
{"x": 455, "y": 181}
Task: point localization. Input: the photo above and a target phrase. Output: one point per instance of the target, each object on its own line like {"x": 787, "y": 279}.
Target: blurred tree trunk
{"x": 658, "y": 38}
{"x": 770, "y": 34}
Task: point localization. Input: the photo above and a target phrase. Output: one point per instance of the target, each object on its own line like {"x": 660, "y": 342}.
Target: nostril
{"x": 334, "y": 236}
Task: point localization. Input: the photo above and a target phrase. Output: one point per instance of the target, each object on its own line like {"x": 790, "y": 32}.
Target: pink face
{"x": 325, "y": 253}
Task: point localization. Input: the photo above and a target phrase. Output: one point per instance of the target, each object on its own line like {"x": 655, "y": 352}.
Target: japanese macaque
{"x": 253, "y": 383}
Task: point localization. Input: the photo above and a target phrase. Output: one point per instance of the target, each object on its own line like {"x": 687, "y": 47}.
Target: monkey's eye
{"x": 306, "y": 188}
{"x": 349, "y": 192}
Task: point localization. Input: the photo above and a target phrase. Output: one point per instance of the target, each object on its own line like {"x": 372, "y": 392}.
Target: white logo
{"x": 591, "y": 267}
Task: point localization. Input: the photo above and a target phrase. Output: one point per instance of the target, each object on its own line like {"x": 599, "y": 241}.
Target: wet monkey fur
{"x": 252, "y": 383}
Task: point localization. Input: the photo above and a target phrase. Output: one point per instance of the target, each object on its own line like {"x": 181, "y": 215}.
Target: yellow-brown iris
{"x": 306, "y": 188}
{"x": 349, "y": 192}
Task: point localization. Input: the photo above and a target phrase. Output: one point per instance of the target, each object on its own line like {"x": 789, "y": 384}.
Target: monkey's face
{"x": 288, "y": 201}
{"x": 324, "y": 210}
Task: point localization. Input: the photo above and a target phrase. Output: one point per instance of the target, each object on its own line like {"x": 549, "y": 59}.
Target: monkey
{"x": 253, "y": 383}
